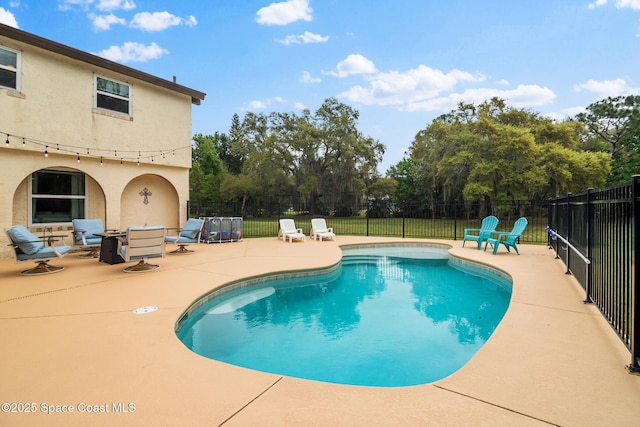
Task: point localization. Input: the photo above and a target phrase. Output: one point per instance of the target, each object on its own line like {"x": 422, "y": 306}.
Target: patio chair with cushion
{"x": 289, "y": 231}
{"x": 479, "y": 235}
{"x": 84, "y": 236}
{"x": 187, "y": 235}
{"x": 508, "y": 239}
{"x": 319, "y": 230}
{"x": 140, "y": 244}
{"x": 29, "y": 247}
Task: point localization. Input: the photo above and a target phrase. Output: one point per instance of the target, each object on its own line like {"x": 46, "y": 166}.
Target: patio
{"x": 71, "y": 342}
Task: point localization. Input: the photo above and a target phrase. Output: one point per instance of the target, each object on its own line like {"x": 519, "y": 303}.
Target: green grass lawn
{"x": 395, "y": 227}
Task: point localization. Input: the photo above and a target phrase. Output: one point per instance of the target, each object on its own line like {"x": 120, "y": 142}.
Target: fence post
{"x": 367, "y": 215}
{"x": 634, "y": 367}
{"x": 568, "y": 219}
{"x": 455, "y": 220}
{"x": 590, "y": 228}
{"x": 403, "y": 207}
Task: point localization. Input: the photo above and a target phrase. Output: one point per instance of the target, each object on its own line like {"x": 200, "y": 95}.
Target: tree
{"x": 207, "y": 171}
{"x": 616, "y": 121}
{"x": 492, "y": 153}
{"x": 318, "y": 159}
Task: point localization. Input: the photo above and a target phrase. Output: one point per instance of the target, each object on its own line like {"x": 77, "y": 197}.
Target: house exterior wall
{"x": 120, "y": 155}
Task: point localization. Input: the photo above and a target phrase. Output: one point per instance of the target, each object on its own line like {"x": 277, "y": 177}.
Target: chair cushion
{"x": 191, "y": 228}
{"x": 28, "y": 242}
{"x": 45, "y": 253}
{"x": 90, "y": 227}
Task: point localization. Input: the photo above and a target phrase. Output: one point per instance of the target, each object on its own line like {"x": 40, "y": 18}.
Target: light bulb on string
{"x": 78, "y": 157}
{"x": 100, "y": 160}
{"x": 46, "y": 151}
{"x": 7, "y": 141}
{"x": 23, "y": 141}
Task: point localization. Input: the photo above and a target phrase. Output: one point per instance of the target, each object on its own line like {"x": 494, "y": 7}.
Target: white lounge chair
{"x": 319, "y": 230}
{"x": 289, "y": 231}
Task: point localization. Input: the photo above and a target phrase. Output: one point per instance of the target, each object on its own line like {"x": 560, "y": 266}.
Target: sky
{"x": 399, "y": 63}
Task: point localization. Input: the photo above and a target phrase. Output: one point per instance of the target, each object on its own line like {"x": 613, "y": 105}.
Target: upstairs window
{"x": 112, "y": 95}
{"x": 9, "y": 68}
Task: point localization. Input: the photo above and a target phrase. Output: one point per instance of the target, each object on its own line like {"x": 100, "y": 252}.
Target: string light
{"x": 118, "y": 154}
{"x": 100, "y": 161}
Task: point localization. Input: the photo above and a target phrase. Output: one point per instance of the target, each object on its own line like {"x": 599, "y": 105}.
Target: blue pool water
{"x": 387, "y": 317}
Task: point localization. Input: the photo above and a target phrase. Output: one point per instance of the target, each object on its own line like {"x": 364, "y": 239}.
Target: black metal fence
{"x": 597, "y": 241}
{"x": 380, "y": 218}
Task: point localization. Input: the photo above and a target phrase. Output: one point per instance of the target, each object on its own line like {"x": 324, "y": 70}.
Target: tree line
{"x": 491, "y": 152}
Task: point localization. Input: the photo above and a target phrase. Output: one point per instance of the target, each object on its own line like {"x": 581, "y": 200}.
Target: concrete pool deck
{"x": 70, "y": 341}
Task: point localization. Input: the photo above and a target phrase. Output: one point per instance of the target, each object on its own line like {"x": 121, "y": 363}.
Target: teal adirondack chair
{"x": 508, "y": 239}
{"x": 481, "y": 234}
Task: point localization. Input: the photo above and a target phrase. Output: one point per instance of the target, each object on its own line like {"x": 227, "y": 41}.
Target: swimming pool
{"x": 386, "y": 316}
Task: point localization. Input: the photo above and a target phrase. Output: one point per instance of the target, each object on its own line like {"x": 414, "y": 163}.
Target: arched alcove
{"x": 149, "y": 199}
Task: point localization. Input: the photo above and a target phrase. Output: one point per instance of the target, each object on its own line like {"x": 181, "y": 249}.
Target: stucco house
{"x": 85, "y": 137}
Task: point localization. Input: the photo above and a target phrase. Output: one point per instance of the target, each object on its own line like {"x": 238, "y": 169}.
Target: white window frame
{"x": 17, "y": 70}
{"x": 96, "y": 92}
{"x": 30, "y": 212}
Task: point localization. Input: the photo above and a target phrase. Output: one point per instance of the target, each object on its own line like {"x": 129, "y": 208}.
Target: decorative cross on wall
{"x": 146, "y": 193}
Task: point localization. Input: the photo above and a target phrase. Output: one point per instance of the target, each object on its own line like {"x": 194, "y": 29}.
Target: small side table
{"x": 109, "y": 247}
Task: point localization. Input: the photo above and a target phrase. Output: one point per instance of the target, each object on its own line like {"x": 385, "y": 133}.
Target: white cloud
{"x": 107, "y": 5}
{"x": 68, "y": 4}
{"x": 257, "y": 105}
{"x": 104, "y": 22}
{"x": 353, "y": 64}
{"x": 307, "y": 78}
{"x": 524, "y": 96}
{"x": 304, "y": 38}
{"x": 284, "y": 13}
{"x": 620, "y": 4}
{"x": 399, "y": 88}
{"x": 300, "y": 106}
{"x": 597, "y": 3}
{"x": 8, "y": 18}
{"x": 261, "y": 105}
{"x": 133, "y": 52}
{"x": 606, "y": 88}
{"x": 633, "y": 4}
{"x": 158, "y": 21}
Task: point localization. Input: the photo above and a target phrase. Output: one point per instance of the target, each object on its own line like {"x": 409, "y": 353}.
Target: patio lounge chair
{"x": 140, "y": 244}
{"x": 187, "y": 235}
{"x": 84, "y": 236}
{"x": 29, "y": 247}
{"x": 289, "y": 231}
{"x": 508, "y": 239}
{"x": 481, "y": 234}
{"x": 320, "y": 231}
